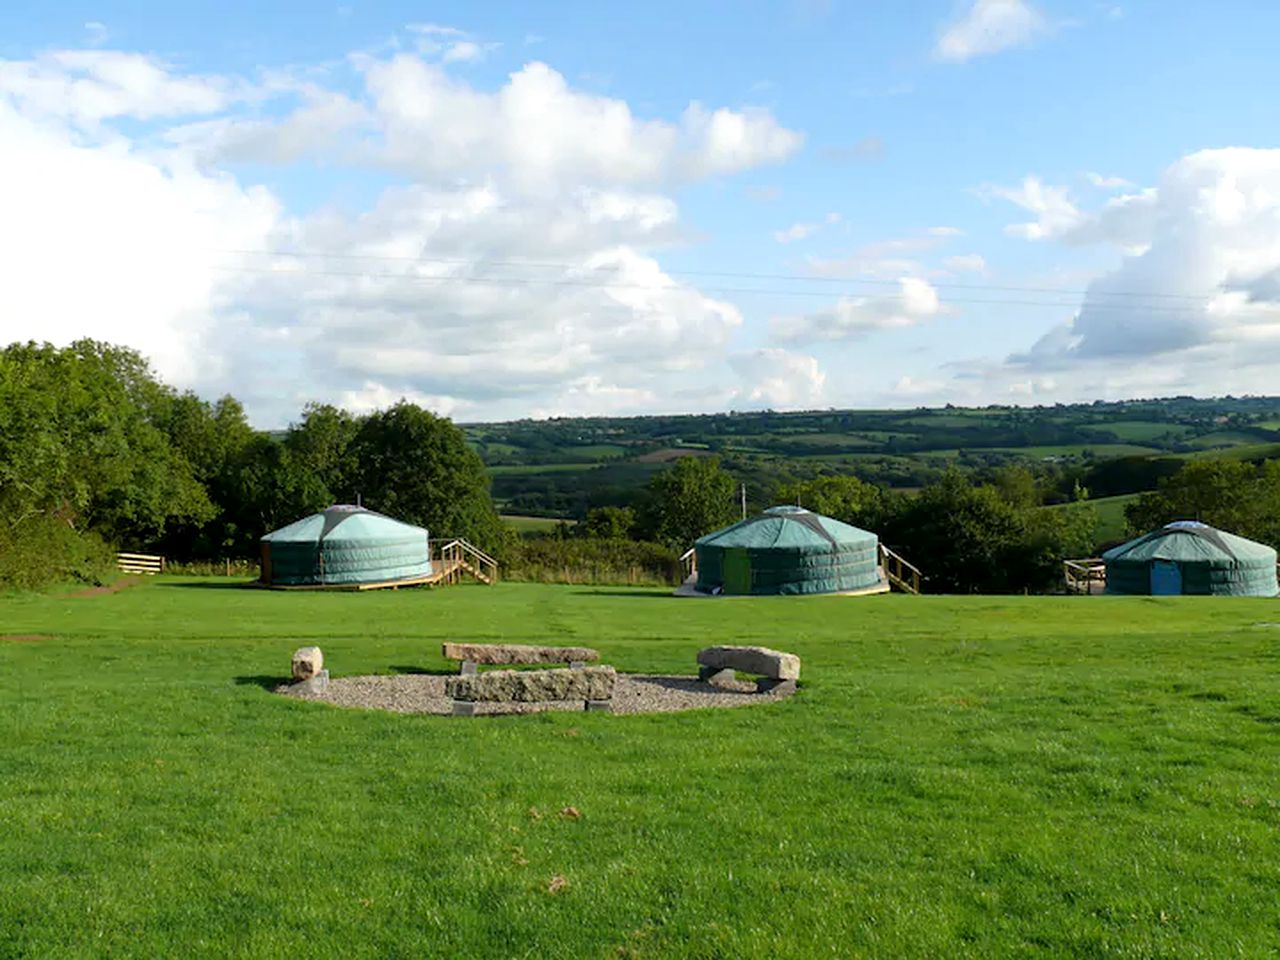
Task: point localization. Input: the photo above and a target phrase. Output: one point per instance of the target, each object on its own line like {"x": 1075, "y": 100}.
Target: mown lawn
{"x": 958, "y": 777}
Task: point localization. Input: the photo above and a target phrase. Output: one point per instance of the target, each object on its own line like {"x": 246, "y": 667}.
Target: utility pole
{"x": 744, "y": 501}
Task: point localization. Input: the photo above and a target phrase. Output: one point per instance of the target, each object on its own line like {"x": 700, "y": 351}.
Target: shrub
{"x": 44, "y": 550}
{"x": 588, "y": 560}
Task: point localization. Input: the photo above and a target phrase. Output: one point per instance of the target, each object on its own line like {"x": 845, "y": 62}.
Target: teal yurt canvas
{"x": 344, "y": 545}
{"x": 788, "y": 550}
{"x": 1188, "y": 557}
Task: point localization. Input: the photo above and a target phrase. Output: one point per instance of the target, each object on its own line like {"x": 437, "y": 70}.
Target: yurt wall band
{"x": 1191, "y": 558}
{"x": 788, "y": 550}
{"x": 345, "y": 544}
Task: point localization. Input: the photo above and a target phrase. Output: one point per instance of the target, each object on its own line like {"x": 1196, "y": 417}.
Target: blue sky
{"x": 578, "y": 209}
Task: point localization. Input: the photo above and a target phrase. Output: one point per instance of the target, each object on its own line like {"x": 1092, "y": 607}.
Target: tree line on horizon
{"x": 97, "y": 454}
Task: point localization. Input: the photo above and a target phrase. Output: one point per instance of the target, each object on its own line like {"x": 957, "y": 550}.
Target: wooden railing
{"x": 688, "y": 564}
{"x": 1084, "y": 576}
{"x": 139, "y": 563}
{"x": 458, "y": 556}
{"x": 901, "y": 574}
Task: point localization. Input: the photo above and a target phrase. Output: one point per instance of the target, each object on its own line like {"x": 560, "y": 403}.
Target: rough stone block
{"x": 716, "y": 675}
{"x": 468, "y": 668}
{"x": 495, "y": 654}
{"x": 307, "y": 662}
{"x": 762, "y": 661}
{"x": 534, "y": 686}
{"x": 464, "y": 708}
{"x": 783, "y": 687}
{"x": 316, "y": 684}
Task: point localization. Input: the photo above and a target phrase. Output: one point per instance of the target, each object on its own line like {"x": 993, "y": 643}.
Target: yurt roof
{"x": 352, "y": 523}
{"x": 785, "y": 527}
{"x": 1190, "y": 541}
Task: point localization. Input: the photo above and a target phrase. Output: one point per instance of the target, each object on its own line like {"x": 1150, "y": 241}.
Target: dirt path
{"x": 122, "y": 584}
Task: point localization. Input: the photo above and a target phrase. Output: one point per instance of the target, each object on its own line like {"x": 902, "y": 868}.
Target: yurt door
{"x": 1166, "y": 579}
{"x": 737, "y": 570}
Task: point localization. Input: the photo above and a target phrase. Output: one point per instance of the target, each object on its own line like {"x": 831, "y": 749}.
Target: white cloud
{"x": 109, "y": 243}
{"x": 435, "y": 128}
{"x": 448, "y": 44}
{"x": 916, "y": 387}
{"x": 1187, "y": 307}
{"x": 510, "y": 275}
{"x": 966, "y": 263}
{"x": 1107, "y": 183}
{"x": 779, "y": 379}
{"x": 850, "y": 317}
{"x": 990, "y": 26}
{"x": 868, "y": 148}
{"x": 96, "y": 33}
{"x": 1124, "y": 220}
{"x": 887, "y": 259}
{"x": 800, "y": 231}
{"x": 85, "y": 87}
{"x": 1055, "y": 213}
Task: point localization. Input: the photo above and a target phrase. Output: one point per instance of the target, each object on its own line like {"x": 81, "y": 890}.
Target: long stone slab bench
{"x": 507, "y": 654}
{"x": 593, "y": 685}
{"x": 775, "y": 668}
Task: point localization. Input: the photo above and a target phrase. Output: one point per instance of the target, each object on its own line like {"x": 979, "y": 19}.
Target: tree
{"x": 971, "y": 539}
{"x": 79, "y": 438}
{"x": 417, "y": 467}
{"x": 608, "y": 523}
{"x": 1016, "y": 486}
{"x": 845, "y": 498}
{"x": 321, "y": 445}
{"x": 1233, "y": 495}
{"x": 694, "y": 497}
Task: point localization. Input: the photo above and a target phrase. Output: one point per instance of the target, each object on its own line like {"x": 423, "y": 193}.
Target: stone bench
{"x": 509, "y": 654}
{"x": 593, "y": 685}
{"x": 777, "y": 670}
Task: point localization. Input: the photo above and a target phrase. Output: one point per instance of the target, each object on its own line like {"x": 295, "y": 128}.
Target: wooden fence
{"x": 1085, "y": 576}
{"x": 139, "y": 563}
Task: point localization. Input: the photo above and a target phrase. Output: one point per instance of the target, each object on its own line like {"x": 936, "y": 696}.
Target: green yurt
{"x": 1188, "y": 557}
{"x": 344, "y": 545}
{"x": 788, "y": 550}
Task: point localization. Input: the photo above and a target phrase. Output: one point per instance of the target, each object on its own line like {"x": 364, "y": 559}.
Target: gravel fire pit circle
{"x": 632, "y": 693}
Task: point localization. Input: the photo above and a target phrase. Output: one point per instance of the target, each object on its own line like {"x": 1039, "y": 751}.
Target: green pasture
{"x": 524, "y": 525}
{"x": 957, "y": 777}
{"x": 1112, "y": 524}
{"x": 534, "y": 468}
{"x": 1141, "y": 431}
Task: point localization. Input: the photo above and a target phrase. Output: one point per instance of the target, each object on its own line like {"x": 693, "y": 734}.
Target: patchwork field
{"x": 957, "y": 777}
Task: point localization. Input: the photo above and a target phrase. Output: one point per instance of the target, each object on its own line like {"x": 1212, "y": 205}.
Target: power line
{"x": 790, "y": 277}
{"x": 608, "y": 285}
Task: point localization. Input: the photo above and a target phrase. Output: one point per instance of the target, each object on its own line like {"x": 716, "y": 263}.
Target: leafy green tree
{"x": 1232, "y": 495}
{"x": 1017, "y": 486}
{"x": 845, "y": 498}
{"x": 971, "y": 539}
{"x": 694, "y": 497}
{"x": 608, "y": 523}
{"x": 320, "y": 444}
{"x": 79, "y": 438}
{"x": 417, "y": 467}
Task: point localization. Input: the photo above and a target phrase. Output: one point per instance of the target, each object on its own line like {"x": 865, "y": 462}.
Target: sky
{"x": 509, "y": 210}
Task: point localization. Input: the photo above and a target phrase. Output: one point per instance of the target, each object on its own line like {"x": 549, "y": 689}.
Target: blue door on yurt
{"x": 1166, "y": 579}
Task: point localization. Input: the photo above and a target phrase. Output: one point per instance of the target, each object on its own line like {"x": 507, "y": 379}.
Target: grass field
{"x": 541, "y": 468}
{"x": 1139, "y": 431}
{"x": 524, "y": 525}
{"x": 1111, "y": 520}
{"x": 957, "y": 777}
